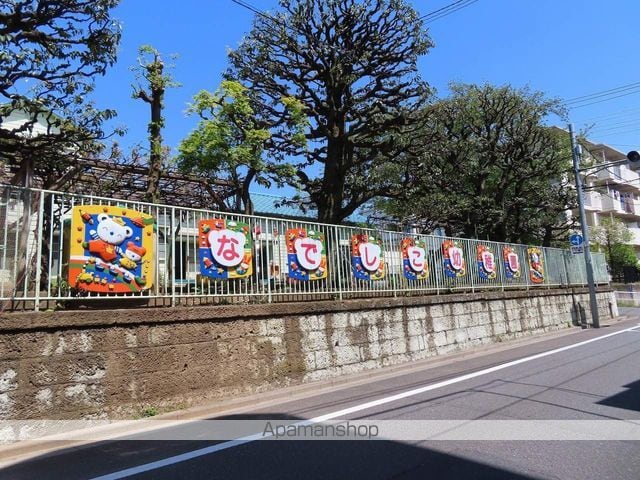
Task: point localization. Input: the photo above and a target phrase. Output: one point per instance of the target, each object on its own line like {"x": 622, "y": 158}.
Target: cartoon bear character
{"x": 107, "y": 237}
{"x": 132, "y": 256}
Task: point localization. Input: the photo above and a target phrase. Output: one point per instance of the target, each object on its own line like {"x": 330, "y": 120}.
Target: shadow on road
{"x": 281, "y": 459}
{"x": 628, "y": 399}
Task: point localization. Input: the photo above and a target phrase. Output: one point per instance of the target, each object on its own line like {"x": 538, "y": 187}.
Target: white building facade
{"x": 613, "y": 192}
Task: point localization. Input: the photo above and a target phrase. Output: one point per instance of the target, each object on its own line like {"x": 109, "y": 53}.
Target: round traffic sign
{"x": 576, "y": 239}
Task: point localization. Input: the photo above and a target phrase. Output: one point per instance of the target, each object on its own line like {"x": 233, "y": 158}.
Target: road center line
{"x": 128, "y": 472}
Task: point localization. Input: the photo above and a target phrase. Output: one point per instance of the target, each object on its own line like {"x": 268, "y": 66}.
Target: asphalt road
{"x": 599, "y": 380}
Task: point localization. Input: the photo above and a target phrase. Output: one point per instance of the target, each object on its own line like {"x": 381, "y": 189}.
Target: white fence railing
{"x": 55, "y": 251}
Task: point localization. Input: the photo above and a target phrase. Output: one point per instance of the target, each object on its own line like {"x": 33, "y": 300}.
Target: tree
{"x": 229, "y": 142}
{"x": 490, "y": 168}
{"x": 151, "y": 69}
{"x": 611, "y": 236}
{"x": 50, "y": 53}
{"x": 352, "y": 64}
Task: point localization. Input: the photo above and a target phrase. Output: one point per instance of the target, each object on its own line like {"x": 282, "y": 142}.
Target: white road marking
{"x": 128, "y": 472}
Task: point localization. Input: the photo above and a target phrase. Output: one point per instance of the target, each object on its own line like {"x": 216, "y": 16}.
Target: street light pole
{"x": 585, "y": 231}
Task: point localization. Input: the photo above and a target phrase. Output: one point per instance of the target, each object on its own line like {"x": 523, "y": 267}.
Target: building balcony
{"x": 592, "y": 200}
{"x": 624, "y": 207}
{"x": 623, "y": 178}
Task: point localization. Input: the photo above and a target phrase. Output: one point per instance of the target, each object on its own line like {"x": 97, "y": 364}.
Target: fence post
{"x": 472, "y": 264}
{"x": 172, "y": 239}
{"x": 268, "y": 229}
{"x": 338, "y": 258}
{"x": 38, "y": 263}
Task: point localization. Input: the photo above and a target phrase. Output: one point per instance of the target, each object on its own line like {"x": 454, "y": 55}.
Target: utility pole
{"x": 575, "y": 151}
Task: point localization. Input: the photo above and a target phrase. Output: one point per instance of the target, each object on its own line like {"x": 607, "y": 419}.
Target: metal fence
{"x": 36, "y": 239}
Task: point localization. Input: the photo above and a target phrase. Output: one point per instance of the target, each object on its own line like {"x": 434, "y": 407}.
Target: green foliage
{"x": 611, "y": 237}
{"x": 342, "y": 75}
{"x": 611, "y": 231}
{"x": 489, "y": 168}
{"x": 622, "y": 255}
{"x": 149, "y": 412}
{"x": 230, "y": 140}
{"x": 50, "y": 53}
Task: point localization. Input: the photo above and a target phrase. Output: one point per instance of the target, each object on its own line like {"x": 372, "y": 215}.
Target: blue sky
{"x": 566, "y": 48}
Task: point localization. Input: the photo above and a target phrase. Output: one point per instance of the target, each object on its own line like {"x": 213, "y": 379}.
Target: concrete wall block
{"x": 339, "y": 337}
{"x": 416, "y": 313}
{"x": 459, "y": 335}
{"x": 374, "y": 350}
{"x": 442, "y": 324}
{"x": 345, "y": 355}
{"x": 482, "y": 318}
{"x": 8, "y": 378}
{"x": 323, "y": 359}
{"x": 478, "y": 332}
{"x": 458, "y": 309}
{"x": 396, "y": 329}
{"x": 275, "y": 327}
{"x": 314, "y": 340}
{"x": 398, "y": 346}
{"x": 440, "y": 339}
{"x": 465, "y": 320}
{"x": 309, "y": 323}
{"x": 495, "y": 305}
{"x": 373, "y": 334}
{"x": 435, "y": 311}
{"x": 496, "y": 317}
{"x": 515, "y": 326}
{"x": 499, "y": 328}
{"x": 415, "y": 327}
{"x": 357, "y": 319}
{"x": 339, "y": 320}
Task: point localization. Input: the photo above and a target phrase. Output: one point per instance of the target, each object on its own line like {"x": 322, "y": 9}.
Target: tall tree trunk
{"x": 155, "y": 142}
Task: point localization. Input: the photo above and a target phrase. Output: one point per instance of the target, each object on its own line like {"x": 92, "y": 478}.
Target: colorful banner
{"x": 487, "y": 268}
{"x": 225, "y": 249}
{"x": 111, "y": 249}
{"x": 367, "y": 259}
{"x": 536, "y": 268}
{"x": 306, "y": 254}
{"x": 454, "y": 264}
{"x": 414, "y": 259}
{"x": 511, "y": 263}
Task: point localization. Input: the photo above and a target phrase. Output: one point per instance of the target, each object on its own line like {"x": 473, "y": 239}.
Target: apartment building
{"x": 611, "y": 192}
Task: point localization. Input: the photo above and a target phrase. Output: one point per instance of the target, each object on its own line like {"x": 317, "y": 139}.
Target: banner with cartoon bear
{"x": 414, "y": 259}
{"x": 511, "y": 263}
{"x": 487, "y": 269}
{"x": 536, "y": 268}
{"x": 111, "y": 249}
{"x": 306, "y": 254}
{"x": 367, "y": 259}
{"x": 454, "y": 263}
{"x": 225, "y": 249}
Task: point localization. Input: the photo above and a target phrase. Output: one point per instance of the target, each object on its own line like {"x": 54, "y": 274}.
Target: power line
{"x": 446, "y": 10}
{"x": 622, "y": 144}
{"x": 617, "y": 113}
{"x": 616, "y": 126}
{"x": 602, "y": 93}
{"x": 604, "y": 100}
{"x": 427, "y": 15}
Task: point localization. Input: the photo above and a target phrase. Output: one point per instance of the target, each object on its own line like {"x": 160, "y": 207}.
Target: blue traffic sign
{"x": 576, "y": 239}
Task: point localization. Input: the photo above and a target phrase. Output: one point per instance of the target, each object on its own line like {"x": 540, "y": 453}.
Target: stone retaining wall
{"x": 92, "y": 364}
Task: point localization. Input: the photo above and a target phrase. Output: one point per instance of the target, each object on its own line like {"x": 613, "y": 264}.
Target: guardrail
{"x": 55, "y": 250}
